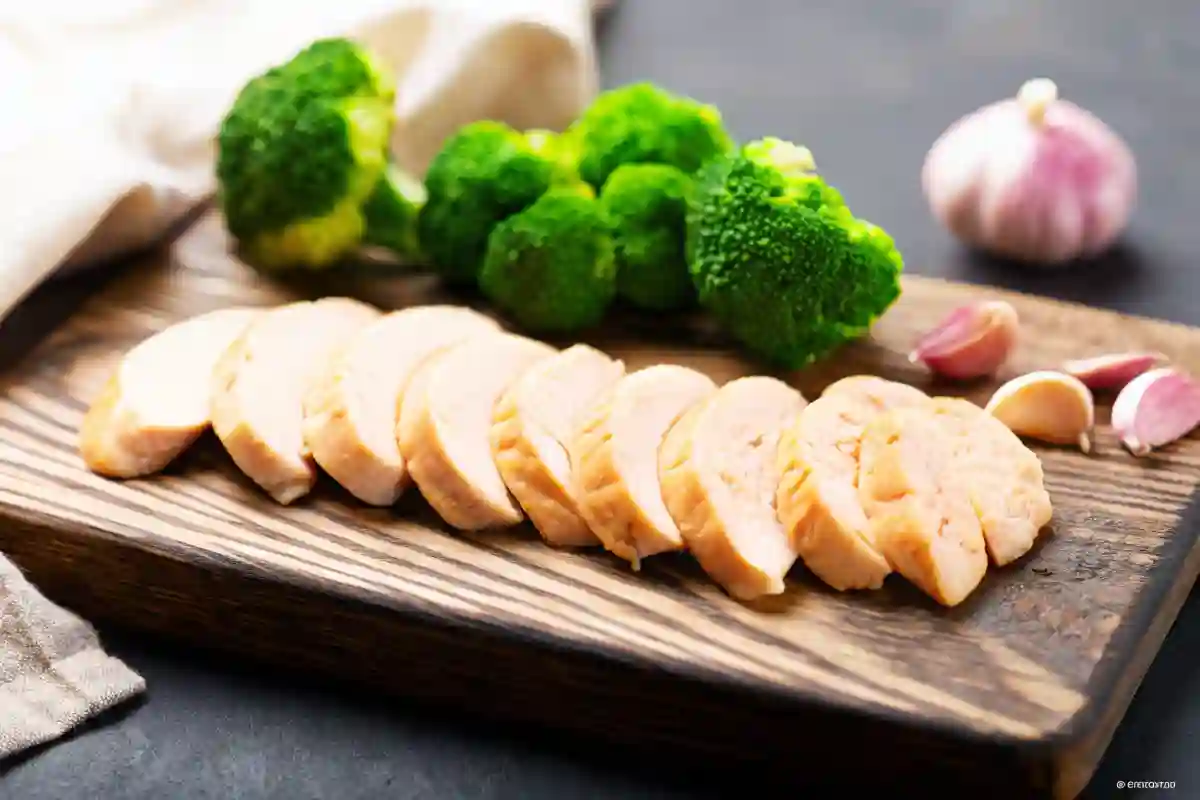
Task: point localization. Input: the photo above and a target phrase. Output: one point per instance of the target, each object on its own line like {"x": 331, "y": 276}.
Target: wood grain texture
{"x": 1022, "y": 685}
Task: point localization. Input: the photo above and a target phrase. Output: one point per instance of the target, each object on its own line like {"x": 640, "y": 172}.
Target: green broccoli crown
{"x": 340, "y": 67}
{"x": 780, "y": 261}
{"x": 784, "y": 170}
{"x": 647, "y": 206}
{"x": 642, "y": 123}
{"x": 483, "y": 174}
{"x": 301, "y": 148}
{"x": 551, "y": 266}
{"x": 391, "y": 213}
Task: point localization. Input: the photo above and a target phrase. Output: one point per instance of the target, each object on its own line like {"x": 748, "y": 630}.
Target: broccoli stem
{"x": 391, "y": 214}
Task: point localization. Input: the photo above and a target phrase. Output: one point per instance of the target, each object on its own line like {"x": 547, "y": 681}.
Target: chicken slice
{"x": 877, "y": 393}
{"x": 1003, "y": 477}
{"x": 156, "y": 402}
{"x": 445, "y": 425}
{"x": 719, "y": 474}
{"x": 817, "y": 500}
{"x": 260, "y": 382}
{"x": 614, "y": 454}
{"x": 350, "y": 413}
{"x": 921, "y": 515}
{"x": 531, "y": 427}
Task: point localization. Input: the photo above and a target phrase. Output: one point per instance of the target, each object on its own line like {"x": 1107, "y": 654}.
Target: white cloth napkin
{"x": 108, "y": 115}
{"x": 110, "y": 107}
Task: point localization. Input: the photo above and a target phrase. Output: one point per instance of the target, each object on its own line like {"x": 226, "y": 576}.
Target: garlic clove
{"x": 1112, "y": 370}
{"x": 1049, "y": 406}
{"x": 1033, "y": 178}
{"x": 1156, "y": 408}
{"x": 972, "y": 341}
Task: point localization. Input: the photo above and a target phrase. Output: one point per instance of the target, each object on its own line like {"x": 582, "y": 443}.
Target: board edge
{"x": 1008, "y": 764}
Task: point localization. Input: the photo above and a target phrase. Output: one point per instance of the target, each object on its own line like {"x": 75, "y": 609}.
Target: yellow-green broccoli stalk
{"x": 391, "y": 214}
{"x": 642, "y": 123}
{"x": 780, "y": 261}
{"x": 647, "y": 205}
{"x": 483, "y": 174}
{"x": 550, "y": 267}
{"x": 300, "y": 150}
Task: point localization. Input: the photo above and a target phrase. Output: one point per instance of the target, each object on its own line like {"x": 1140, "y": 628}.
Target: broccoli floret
{"x": 300, "y": 150}
{"x": 642, "y": 123}
{"x": 339, "y": 68}
{"x": 780, "y": 261}
{"x": 483, "y": 174}
{"x": 551, "y": 266}
{"x": 647, "y": 205}
{"x": 391, "y": 214}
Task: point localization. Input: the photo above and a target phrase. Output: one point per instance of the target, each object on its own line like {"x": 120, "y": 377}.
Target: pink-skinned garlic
{"x": 972, "y": 341}
{"x": 1032, "y": 178}
{"x": 1155, "y": 409}
{"x": 1111, "y": 370}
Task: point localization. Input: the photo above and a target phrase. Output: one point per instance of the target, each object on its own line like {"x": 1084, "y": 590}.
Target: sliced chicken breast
{"x": 1003, "y": 477}
{"x": 260, "y": 382}
{"x": 817, "y": 499}
{"x": 877, "y": 393}
{"x": 921, "y": 515}
{"x": 351, "y": 411}
{"x": 531, "y": 428}
{"x": 445, "y": 427}
{"x": 614, "y": 455}
{"x": 156, "y": 402}
{"x": 719, "y": 476}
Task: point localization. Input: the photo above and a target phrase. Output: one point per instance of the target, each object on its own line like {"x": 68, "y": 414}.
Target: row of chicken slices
{"x": 872, "y": 477}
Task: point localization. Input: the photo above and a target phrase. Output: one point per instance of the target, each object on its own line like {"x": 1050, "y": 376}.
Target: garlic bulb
{"x": 1033, "y": 178}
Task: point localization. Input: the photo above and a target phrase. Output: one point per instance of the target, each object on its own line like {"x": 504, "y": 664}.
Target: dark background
{"x": 867, "y": 85}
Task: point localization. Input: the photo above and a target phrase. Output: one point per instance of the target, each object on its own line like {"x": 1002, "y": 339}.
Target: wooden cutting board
{"x": 1020, "y": 687}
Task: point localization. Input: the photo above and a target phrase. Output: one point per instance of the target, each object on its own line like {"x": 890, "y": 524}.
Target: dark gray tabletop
{"x": 867, "y": 84}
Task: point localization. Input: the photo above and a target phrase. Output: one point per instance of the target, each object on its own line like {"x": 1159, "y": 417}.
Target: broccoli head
{"x": 550, "y": 267}
{"x": 642, "y": 123}
{"x": 780, "y": 261}
{"x": 483, "y": 174}
{"x": 300, "y": 150}
{"x": 647, "y": 206}
{"x": 338, "y": 67}
{"x": 391, "y": 214}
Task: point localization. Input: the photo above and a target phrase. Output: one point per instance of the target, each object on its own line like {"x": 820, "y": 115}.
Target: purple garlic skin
{"x": 1033, "y": 178}
{"x": 1113, "y": 370}
{"x": 972, "y": 341}
{"x": 1156, "y": 408}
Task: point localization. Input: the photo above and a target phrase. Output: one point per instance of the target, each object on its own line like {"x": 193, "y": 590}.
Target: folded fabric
{"x": 53, "y": 673}
{"x": 111, "y": 108}
{"x": 110, "y": 115}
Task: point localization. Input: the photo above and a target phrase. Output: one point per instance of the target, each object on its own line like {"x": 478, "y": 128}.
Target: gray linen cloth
{"x": 54, "y": 674}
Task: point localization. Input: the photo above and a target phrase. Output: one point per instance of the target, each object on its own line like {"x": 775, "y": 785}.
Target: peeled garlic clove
{"x": 1033, "y": 178}
{"x": 1113, "y": 370}
{"x": 1155, "y": 409}
{"x": 971, "y": 342}
{"x": 1049, "y": 406}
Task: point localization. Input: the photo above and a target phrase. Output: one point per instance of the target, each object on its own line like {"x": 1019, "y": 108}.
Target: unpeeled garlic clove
{"x": 973, "y": 341}
{"x": 1033, "y": 178}
{"x": 1156, "y": 408}
{"x": 1049, "y": 406}
{"x": 1112, "y": 370}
